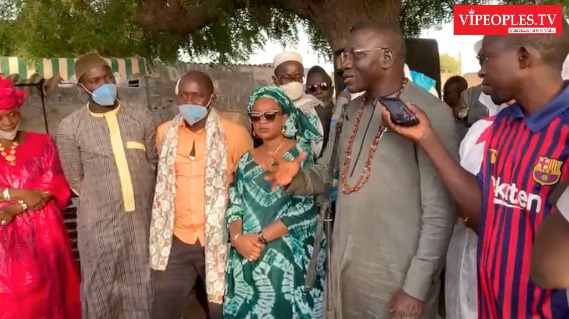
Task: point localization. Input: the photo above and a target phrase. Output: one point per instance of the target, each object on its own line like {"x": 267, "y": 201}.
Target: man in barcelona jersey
{"x": 526, "y": 160}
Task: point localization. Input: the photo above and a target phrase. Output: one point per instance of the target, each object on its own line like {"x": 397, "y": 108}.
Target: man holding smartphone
{"x": 394, "y": 217}
{"x": 526, "y": 160}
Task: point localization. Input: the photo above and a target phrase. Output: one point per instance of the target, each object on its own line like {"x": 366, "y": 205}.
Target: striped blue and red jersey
{"x": 526, "y": 159}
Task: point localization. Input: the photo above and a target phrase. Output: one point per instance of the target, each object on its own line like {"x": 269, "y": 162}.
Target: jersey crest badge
{"x": 547, "y": 171}
{"x": 493, "y": 154}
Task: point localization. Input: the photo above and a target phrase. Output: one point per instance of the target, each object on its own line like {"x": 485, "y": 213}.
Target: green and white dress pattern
{"x": 273, "y": 285}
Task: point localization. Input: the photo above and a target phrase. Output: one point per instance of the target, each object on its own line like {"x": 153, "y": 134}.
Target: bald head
{"x": 198, "y": 77}
{"x": 389, "y": 34}
{"x": 374, "y": 58}
{"x": 195, "y": 87}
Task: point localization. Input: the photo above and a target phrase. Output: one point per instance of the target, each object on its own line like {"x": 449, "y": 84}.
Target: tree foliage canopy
{"x": 220, "y": 30}
{"x": 450, "y": 64}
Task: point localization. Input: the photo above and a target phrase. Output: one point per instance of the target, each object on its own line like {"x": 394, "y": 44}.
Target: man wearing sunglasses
{"x": 289, "y": 76}
{"x": 319, "y": 84}
{"x": 394, "y": 217}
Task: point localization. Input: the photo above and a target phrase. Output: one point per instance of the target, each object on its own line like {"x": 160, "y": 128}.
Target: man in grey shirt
{"x": 394, "y": 217}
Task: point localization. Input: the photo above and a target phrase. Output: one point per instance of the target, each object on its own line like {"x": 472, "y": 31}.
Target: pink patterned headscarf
{"x": 10, "y": 98}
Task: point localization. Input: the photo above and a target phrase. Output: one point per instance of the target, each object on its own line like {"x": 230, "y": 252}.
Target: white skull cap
{"x": 478, "y": 46}
{"x": 285, "y": 57}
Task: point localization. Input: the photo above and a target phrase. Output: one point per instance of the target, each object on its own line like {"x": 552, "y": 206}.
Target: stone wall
{"x": 233, "y": 86}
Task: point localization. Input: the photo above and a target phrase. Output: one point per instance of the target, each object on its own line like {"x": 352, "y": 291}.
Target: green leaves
{"x": 66, "y": 28}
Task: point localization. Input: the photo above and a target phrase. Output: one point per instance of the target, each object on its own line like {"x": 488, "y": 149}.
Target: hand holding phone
{"x": 400, "y": 113}
{"x": 414, "y": 126}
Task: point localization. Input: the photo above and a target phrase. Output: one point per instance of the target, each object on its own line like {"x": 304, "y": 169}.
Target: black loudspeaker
{"x": 422, "y": 56}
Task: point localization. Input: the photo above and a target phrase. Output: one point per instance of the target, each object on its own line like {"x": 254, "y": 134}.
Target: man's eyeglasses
{"x": 292, "y": 78}
{"x": 269, "y": 116}
{"x": 481, "y": 59}
{"x": 323, "y": 86}
{"x": 357, "y": 53}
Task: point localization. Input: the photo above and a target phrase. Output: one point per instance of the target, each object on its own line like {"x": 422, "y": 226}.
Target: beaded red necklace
{"x": 366, "y": 172}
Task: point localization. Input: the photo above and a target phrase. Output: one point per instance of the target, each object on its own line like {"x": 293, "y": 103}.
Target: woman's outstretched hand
{"x": 281, "y": 171}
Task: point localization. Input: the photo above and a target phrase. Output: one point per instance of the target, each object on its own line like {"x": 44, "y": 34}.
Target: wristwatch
{"x": 262, "y": 238}
{"x": 463, "y": 114}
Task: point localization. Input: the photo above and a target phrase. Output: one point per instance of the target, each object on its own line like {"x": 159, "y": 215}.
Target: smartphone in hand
{"x": 400, "y": 113}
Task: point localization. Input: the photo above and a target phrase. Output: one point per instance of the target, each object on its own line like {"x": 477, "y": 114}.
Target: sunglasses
{"x": 269, "y": 116}
{"x": 323, "y": 86}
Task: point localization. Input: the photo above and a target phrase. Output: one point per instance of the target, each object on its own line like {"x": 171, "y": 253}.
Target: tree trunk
{"x": 334, "y": 18}
{"x": 174, "y": 16}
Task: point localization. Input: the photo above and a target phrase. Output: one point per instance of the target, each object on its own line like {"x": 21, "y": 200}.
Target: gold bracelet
{"x": 24, "y": 205}
{"x": 234, "y": 237}
{"x": 465, "y": 221}
{"x": 6, "y": 194}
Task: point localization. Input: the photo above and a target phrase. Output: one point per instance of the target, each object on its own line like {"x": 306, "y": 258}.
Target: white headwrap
{"x": 478, "y": 46}
{"x": 285, "y": 57}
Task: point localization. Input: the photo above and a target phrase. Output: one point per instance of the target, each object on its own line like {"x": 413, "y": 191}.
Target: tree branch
{"x": 334, "y": 17}
{"x": 173, "y": 16}
{"x": 299, "y": 7}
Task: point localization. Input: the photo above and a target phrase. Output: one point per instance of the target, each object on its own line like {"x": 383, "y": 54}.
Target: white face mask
{"x": 9, "y": 135}
{"x": 293, "y": 90}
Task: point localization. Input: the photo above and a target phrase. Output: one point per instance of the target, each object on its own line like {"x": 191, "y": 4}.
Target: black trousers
{"x": 174, "y": 285}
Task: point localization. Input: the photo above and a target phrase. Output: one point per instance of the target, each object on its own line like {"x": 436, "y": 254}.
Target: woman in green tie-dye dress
{"x": 272, "y": 234}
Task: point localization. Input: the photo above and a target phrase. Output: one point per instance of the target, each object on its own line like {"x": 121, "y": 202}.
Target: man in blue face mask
{"x": 108, "y": 154}
{"x": 198, "y": 151}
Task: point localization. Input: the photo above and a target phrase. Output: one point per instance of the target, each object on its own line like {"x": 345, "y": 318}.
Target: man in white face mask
{"x": 108, "y": 154}
{"x": 289, "y": 75}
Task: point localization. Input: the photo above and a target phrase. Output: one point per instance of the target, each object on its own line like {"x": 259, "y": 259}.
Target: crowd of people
{"x": 200, "y": 197}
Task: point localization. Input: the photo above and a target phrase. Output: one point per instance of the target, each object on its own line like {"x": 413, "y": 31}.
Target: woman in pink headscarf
{"x": 38, "y": 274}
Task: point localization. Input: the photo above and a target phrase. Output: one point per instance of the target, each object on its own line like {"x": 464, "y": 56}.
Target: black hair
{"x": 457, "y": 80}
{"x": 553, "y": 48}
{"x": 389, "y": 30}
{"x": 318, "y": 70}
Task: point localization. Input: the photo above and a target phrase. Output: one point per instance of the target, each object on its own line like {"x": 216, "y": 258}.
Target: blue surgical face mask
{"x": 104, "y": 95}
{"x": 193, "y": 113}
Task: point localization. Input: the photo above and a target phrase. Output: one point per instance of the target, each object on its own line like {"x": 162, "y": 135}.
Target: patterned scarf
{"x": 162, "y": 224}
{"x": 307, "y": 104}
